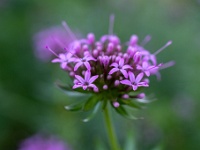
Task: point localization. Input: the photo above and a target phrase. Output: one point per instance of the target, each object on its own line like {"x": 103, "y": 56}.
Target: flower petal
{"x": 93, "y": 86}
{"x": 85, "y": 87}
{"x": 77, "y": 86}
{"x": 62, "y": 56}
{"x": 77, "y": 65}
{"x": 113, "y": 70}
{"x": 127, "y": 67}
{"x": 131, "y": 77}
{"x": 139, "y": 67}
{"x": 124, "y": 72}
{"x": 147, "y": 73}
{"x": 145, "y": 65}
{"x": 143, "y": 84}
{"x": 139, "y": 77}
{"x": 114, "y": 65}
{"x": 134, "y": 87}
{"x": 63, "y": 65}
{"x": 79, "y": 78}
{"x": 90, "y": 58}
{"x": 87, "y": 75}
{"x": 126, "y": 82}
{"x": 92, "y": 79}
{"x": 87, "y": 65}
{"x": 121, "y": 62}
{"x": 153, "y": 59}
{"x": 56, "y": 60}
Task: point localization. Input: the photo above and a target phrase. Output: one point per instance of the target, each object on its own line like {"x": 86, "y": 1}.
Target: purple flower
{"x": 39, "y": 142}
{"x": 63, "y": 59}
{"x": 146, "y": 68}
{"x": 86, "y": 82}
{"x": 134, "y": 81}
{"x": 114, "y": 64}
{"x": 120, "y": 67}
{"x": 84, "y": 61}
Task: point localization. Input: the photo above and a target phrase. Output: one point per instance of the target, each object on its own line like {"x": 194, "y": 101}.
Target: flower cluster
{"x": 39, "y": 142}
{"x": 109, "y": 70}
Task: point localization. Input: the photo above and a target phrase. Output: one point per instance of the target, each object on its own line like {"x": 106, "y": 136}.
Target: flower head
{"x": 109, "y": 70}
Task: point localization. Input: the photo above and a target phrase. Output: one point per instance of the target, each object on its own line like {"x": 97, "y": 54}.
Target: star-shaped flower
{"x": 86, "y": 81}
{"x": 84, "y": 61}
{"x": 120, "y": 67}
{"x": 134, "y": 81}
{"x": 146, "y": 68}
{"x": 63, "y": 59}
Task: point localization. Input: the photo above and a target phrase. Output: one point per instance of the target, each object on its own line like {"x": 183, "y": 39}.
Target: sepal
{"x": 130, "y": 103}
{"x": 74, "y": 107}
{"x": 122, "y": 111}
{"x": 90, "y": 103}
{"x": 93, "y": 113}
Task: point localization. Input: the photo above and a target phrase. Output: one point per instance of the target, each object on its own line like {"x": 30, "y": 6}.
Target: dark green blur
{"x": 31, "y": 103}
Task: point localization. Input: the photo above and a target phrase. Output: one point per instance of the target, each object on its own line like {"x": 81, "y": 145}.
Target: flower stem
{"x": 110, "y": 130}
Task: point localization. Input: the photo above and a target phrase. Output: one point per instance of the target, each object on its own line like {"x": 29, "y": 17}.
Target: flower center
{"x": 86, "y": 83}
{"x": 83, "y": 60}
{"x": 120, "y": 67}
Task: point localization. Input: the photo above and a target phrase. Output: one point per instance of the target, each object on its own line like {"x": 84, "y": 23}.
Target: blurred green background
{"x": 31, "y": 103}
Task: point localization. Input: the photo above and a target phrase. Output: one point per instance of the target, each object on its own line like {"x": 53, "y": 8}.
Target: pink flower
{"x": 109, "y": 64}
{"x": 63, "y": 59}
{"x": 84, "y": 61}
{"x": 146, "y": 68}
{"x": 134, "y": 81}
{"x": 120, "y": 67}
{"x": 86, "y": 82}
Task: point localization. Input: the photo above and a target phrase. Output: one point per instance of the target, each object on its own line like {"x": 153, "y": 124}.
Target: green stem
{"x": 110, "y": 130}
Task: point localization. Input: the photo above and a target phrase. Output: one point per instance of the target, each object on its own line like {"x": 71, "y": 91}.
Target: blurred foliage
{"x": 31, "y": 103}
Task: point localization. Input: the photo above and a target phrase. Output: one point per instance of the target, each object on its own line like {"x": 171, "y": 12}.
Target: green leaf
{"x": 122, "y": 111}
{"x": 90, "y": 103}
{"x": 145, "y": 101}
{"x": 95, "y": 110}
{"x": 74, "y": 107}
{"x": 130, "y": 103}
{"x": 63, "y": 87}
{"x": 68, "y": 88}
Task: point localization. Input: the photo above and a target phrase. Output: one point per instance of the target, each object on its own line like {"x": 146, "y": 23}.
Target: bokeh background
{"x": 30, "y": 102}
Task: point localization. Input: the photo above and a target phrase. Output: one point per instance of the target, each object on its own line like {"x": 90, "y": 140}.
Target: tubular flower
{"x": 109, "y": 70}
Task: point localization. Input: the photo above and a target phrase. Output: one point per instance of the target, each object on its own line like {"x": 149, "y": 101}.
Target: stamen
{"x": 111, "y": 24}
{"x": 68, "y": 30}
{"x": 162, "y": 48}
{"x": 146, "y": 40}
{"x": 47, "y": 47}
{"x": 167, "y": 65}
